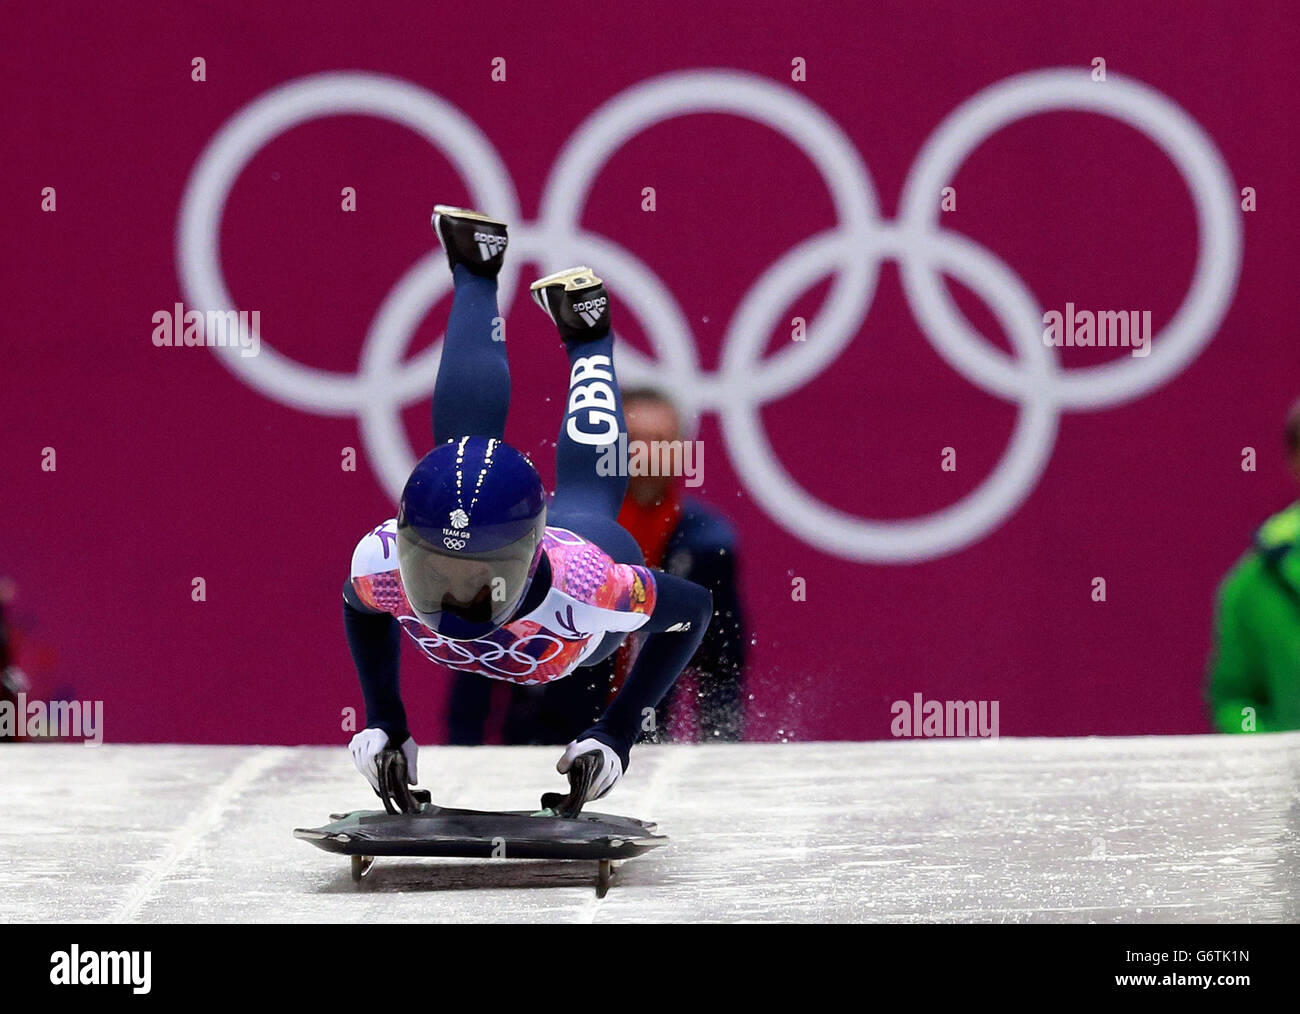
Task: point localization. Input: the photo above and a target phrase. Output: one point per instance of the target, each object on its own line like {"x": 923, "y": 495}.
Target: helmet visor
{"x": 464, "y": 595}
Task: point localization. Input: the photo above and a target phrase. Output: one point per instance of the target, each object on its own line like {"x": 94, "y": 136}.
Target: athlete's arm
{"x": 681, "y": 615}
{"x": 374, "y": 639}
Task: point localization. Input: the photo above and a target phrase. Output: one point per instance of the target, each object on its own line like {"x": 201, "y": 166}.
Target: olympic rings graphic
{"x": 745, "y": 380}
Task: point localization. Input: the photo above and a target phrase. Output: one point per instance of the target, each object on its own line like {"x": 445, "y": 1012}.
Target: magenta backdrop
{"x": 170, "y": 467}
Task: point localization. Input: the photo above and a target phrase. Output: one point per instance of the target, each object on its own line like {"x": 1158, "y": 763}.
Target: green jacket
{"x": 1256, "y": 658}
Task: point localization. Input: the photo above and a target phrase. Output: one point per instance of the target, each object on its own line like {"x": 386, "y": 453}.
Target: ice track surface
{"x": 1165, "y": 829}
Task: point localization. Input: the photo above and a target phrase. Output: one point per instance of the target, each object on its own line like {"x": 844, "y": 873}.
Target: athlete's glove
{"x": 593, "y": 769}
{"x": 366, "y": 746}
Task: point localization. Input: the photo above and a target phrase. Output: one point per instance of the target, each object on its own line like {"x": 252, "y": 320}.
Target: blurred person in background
{"x": 682, "y": 536}
{"x": 12, "y": 679}
{"x": 1255, "y": 666}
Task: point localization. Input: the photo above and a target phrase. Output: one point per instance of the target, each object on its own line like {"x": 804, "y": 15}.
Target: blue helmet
{"x": 469, "y": 535}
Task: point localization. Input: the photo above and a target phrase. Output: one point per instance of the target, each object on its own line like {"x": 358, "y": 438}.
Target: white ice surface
{"x": 1194, "y": 828}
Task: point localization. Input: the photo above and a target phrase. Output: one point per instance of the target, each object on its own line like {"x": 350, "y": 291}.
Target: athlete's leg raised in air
{"x": 472, "y": 392}
{"x": 588, "y": 497}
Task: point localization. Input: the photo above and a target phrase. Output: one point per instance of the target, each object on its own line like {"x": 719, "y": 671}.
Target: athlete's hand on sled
{"x": 366, "y": 747}
{"x": 593, "y": 769}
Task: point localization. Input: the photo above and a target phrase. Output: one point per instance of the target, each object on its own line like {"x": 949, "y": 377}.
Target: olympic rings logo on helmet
{"x": 451, "y": 543}
{"x": 744, "y": 380}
